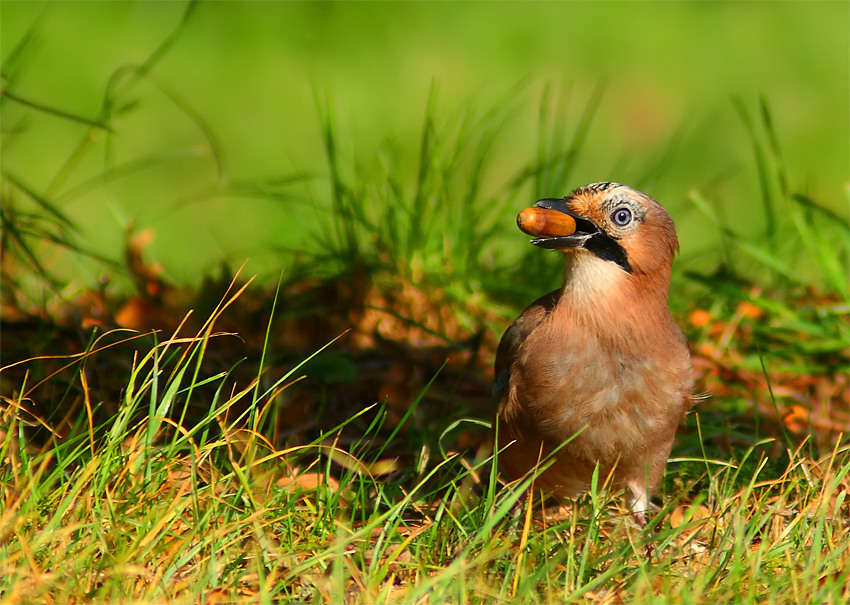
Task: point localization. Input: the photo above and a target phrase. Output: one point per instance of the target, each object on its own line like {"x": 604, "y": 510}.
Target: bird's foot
{"x": 640, "y": 518}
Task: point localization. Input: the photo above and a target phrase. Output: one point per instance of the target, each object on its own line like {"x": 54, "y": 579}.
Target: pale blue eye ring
{"x": 621, "y": 217}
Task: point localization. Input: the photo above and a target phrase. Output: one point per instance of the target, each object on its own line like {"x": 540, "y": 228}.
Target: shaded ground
{"x": 413, "y": 351}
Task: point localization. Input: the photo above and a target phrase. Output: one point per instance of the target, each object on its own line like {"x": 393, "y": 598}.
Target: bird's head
{"x": 615, "y": 223}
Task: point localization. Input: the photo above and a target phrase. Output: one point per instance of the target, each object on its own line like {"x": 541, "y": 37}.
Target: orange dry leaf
{"x": 146, "y": 275}
{"x": 796, "y": 418}
{"x": 218, "y": 595}
{"x": 307, "y": 481}
{"x": 699, "y": 318}
{"x": 135, "y": 314}
{"x": 749, "y": 310}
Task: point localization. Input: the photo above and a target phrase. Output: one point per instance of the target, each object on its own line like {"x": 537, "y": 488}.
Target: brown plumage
{"x": 602, "y": 355}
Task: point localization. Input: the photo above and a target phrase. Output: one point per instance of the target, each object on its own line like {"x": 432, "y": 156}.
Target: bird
{"x": 596, "y": 373}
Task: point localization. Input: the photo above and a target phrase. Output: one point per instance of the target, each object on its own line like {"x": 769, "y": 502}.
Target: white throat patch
{"x": 589, "y": 280}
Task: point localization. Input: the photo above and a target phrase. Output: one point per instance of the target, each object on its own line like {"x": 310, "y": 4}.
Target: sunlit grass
{"x": 153, "y": 511}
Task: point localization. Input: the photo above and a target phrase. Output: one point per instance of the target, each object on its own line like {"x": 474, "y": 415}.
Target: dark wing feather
{"x": 514, "y": 336}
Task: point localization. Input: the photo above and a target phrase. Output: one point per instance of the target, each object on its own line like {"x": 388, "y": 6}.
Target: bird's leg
{"x": 638, "y": 501}
{"x": 640, "y": 504}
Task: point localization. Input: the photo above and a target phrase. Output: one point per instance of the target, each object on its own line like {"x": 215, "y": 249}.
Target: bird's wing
{"x": 514, "y": 336}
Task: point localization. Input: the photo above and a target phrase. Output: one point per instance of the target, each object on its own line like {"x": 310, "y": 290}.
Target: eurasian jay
{"x": 600, "y": 360}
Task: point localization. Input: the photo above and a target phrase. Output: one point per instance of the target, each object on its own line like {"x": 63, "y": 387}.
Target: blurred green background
{"x": 218, "y": 149}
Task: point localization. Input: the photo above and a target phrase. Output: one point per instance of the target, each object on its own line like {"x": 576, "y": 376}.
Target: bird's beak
{"x": 585, "y": 229}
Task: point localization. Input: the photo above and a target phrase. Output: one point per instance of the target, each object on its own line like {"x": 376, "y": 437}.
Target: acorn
{"x": 542, "y": 222}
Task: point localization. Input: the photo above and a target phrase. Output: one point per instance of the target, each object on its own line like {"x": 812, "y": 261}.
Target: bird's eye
{"x": 622, "y": 217}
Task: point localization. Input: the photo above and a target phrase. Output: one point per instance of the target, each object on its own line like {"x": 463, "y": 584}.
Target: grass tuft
{"x": 146, "y": 508}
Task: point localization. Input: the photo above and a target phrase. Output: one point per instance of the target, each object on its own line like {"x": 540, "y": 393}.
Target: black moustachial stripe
{"x": 607, "y": 248}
